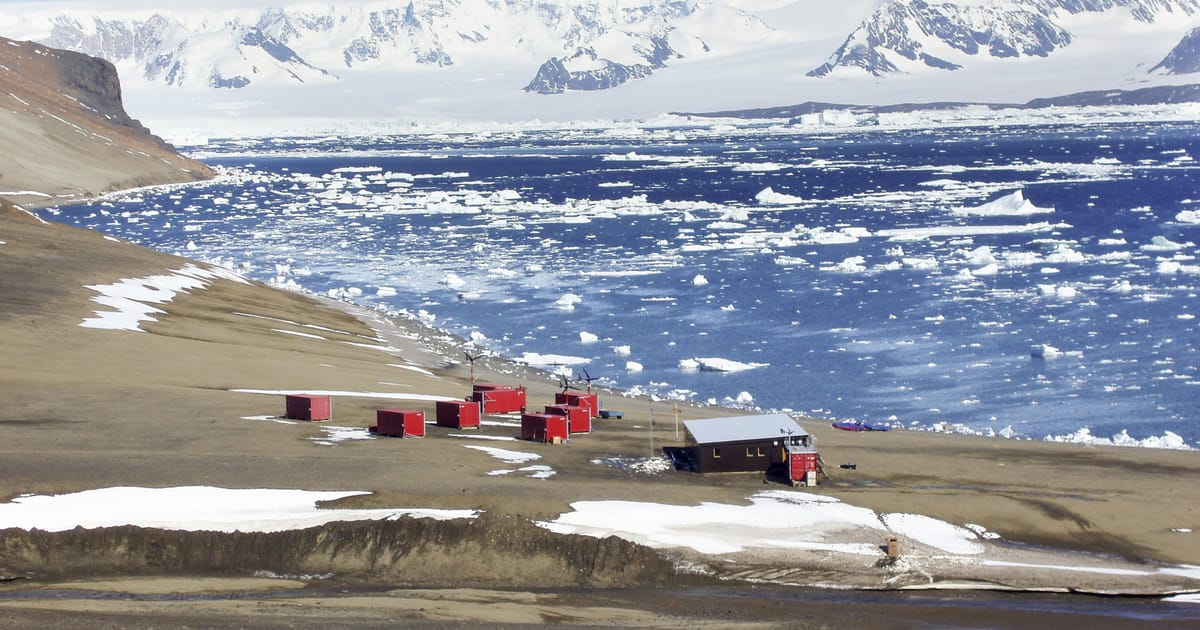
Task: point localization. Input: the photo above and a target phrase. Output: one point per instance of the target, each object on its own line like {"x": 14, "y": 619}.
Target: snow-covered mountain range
{"x": 460, "y": 56}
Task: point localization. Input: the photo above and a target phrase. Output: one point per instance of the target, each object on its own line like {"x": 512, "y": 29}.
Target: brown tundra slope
{"x": 65, "y": 135}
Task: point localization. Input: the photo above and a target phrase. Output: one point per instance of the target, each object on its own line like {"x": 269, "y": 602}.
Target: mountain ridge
{"x": 67, "y": 133}
{"x": 1159, "y": 95}
{"x": 492, "y": 55}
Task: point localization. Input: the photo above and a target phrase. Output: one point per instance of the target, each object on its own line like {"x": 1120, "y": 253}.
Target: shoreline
{"x": 1082, "y": 505}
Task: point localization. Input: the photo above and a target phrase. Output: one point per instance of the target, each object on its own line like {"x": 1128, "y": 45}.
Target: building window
{"x": 717, "y": 453}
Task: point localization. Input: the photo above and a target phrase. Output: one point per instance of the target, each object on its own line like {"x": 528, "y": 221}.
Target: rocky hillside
{"x": 66, "y": 134}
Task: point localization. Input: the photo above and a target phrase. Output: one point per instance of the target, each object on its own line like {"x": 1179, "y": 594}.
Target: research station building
{"x": 764, "y": 443}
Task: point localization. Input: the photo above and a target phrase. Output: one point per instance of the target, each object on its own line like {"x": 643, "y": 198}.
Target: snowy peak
{"x": 167, "y": 51}
{"x": 305, "y": 43}
{"x": 1184, "y": 58}
{"x": 908, "y": 35}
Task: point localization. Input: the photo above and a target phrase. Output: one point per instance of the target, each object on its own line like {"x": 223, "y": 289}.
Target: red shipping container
{"x": 458, "y": 414}
{"x": 581, "y": 399}
{"x": 542, "y": 427}
{"x": 578, "y": 418}
{"x": 309, "y": 407}
{"x": 499, "y": 398}
{"x": 802, "y": 462}
{"x": 400, "y": 422}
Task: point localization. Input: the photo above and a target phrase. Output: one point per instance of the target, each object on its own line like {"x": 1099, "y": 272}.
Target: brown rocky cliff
{"x": 66, "y": 135}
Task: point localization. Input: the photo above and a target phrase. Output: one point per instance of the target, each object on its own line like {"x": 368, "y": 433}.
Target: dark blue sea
{"x": 1029, "y": 281}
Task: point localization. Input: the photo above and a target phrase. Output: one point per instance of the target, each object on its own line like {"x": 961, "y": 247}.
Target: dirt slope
{"x": 66, "y": 135}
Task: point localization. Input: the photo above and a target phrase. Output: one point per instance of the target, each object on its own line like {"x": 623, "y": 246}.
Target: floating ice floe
{"x": 1168, "y": 440}
{"x": 633, "y": 367}
{"x": 958, "y": 231}
{"x": 196, "y": 508}
{"x": 551, "y": 361}
{"x": 1191, "y": 217}
{"x": 714, "y": 364}
{"x": 1061, "y": 292}
{"x": 131, "y": 299}
{"x": 1044, "y": 351}
{"x": 852, "y": 264}
{"x": 699, "y": 280}
{"x": 1162, "y": 244}
{"x": 567, "y": 302}
{"x": 1012, "y": 204}
{"x": 768, "y": 197}
{"x": 1172, "y": 267}
{"x": 586, "y": 337}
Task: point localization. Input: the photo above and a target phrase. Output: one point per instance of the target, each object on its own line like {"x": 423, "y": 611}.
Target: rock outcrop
{"x": 67, "y": 135}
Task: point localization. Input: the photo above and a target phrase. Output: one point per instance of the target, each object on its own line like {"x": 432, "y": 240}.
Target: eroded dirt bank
{"x": 490, "y": 551}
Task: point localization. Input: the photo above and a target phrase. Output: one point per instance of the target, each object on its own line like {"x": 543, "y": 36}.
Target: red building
{"x": 399, "y": 423}
{"x": 309, "y": 407}
{"x": 543, "y": 427}
{"x": 580, "y": 399}
{"x": 458, "y": 414}
{"x": 579, "y": 419}
{"x": 499, "y": 398}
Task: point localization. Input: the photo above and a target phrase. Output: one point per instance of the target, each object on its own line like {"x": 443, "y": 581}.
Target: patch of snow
{"x": 334, "y": 435}
{"x": 930, "y": 531}
{"x": 477, "y": 436}
{"x": 510, "y": 457}
{"x": 196, "y": 508}
{"x": 130, "y": 299}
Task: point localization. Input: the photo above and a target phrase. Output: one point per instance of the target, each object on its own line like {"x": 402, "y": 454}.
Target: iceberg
{"x": 1012, "y": 204}
{"x": 713, "y": 364}
{"x": 768, "y": 197}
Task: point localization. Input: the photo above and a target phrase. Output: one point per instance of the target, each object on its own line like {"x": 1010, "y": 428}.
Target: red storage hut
{"x": 579, "y": 419}
{"x": 543, "y": 427}
{"x": 399, "y": 423}
{"x": 580, "y": 399}
{"x": 803, "y": 464}
{"x": 309, "y": 407}
{"x": 458, "y": 414}
{"x": 499, "y": 398}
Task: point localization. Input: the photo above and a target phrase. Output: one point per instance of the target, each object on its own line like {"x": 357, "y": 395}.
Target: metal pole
{"x": 652, "y": 426}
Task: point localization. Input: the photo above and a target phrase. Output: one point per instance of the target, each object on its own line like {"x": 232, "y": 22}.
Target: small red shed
{"x": 580, "y": 399}
{"x": 578, "y": 418}
{"x": 499, "y": 398}
{"x": 802, "y": 465}
{"x": 458, "y": 414}
{"x": 309, "y": 407}
{"x": 399, "y": 423}
{"x": 543, "y": 427}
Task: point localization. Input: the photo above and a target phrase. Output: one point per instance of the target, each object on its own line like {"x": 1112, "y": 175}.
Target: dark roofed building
{"x": 751, "y": 444}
